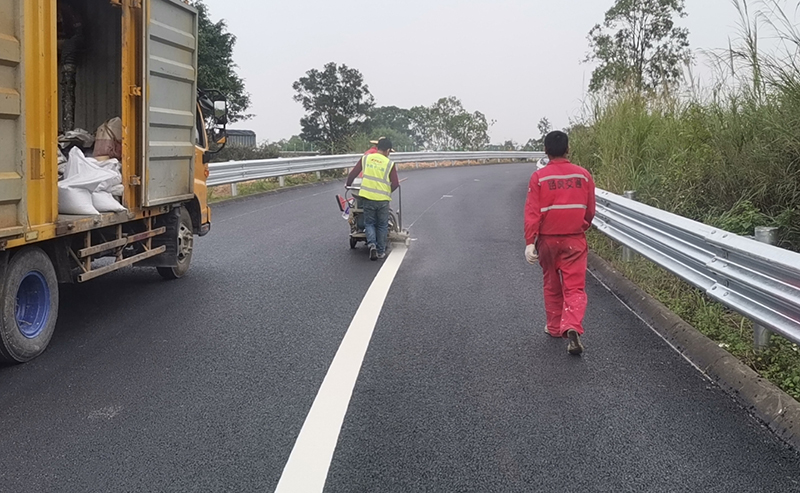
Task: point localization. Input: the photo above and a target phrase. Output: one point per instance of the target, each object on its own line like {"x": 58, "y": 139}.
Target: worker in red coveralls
{"x": 559, "y": 210}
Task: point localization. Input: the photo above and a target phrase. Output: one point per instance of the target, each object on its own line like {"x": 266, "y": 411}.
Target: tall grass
{"x": 730, "y": 159}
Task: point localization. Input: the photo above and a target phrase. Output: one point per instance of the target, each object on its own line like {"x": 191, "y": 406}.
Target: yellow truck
{"x": 136, "y": 60}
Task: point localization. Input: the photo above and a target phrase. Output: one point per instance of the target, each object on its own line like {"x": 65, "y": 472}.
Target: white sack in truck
{"x": 84, "y": 177}
{"x": 83, "y": 172}
{"x": 105, "y": 202}
{"x": 75, "y": 201}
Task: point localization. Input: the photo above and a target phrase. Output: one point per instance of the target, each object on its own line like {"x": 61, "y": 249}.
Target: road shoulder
{"x": 775, "y": 408}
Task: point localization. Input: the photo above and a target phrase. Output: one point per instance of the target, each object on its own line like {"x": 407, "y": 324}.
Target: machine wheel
{"x": 29, "y": 306}
{"x": 181, "y": 232}
{"x": 353, "y": 243}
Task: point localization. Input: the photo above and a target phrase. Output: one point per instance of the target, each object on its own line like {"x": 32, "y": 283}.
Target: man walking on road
{"x": 559, "y": 209}
{"x": 379, "y": 181}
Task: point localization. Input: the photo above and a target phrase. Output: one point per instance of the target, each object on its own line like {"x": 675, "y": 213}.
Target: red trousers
{"x": 563, "y": 260}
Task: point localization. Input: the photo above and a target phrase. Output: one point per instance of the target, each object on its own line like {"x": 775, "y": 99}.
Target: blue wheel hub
{"x": 33, "y": 305}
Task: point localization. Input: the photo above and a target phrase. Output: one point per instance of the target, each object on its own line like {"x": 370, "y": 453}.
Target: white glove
{"x": 531, "y": 255}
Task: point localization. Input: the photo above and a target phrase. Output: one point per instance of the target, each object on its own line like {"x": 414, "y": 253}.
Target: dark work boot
{"x": 574, "y": 347}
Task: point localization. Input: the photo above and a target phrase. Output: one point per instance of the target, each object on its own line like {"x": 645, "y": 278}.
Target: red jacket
{"x": 360, "y": 173}
{"x": 560, "y": 201}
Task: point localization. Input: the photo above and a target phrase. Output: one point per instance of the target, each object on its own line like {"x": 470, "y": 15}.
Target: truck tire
{"x": 29, "y": 306}
{"x": 179, "y": 233}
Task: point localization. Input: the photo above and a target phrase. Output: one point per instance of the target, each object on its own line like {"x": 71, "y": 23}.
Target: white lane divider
{"x": 307, "y": 468}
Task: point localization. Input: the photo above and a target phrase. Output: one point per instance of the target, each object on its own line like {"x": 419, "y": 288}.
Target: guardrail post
{"x": 281, "y": 181}
{"x": 762, "y": 335}
{"x": 234, "y": 190}
{"x": 319, "y": 175}
{"x": 627, "y": 253}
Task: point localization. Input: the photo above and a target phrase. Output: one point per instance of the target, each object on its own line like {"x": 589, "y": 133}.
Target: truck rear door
{"x": 170, "y": 99}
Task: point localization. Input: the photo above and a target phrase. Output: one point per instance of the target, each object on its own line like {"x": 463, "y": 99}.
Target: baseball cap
{"x": 384, "y": 144}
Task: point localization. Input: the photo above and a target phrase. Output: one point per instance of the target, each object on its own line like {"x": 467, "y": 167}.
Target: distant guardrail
{"x": 240, "y": 171}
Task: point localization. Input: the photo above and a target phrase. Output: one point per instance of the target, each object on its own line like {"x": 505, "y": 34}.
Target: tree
{"x": 215, "y": 66}
{"x": 446, "y": 125}
{"x": 545, "y": 128}
{"x": 639, "y": 45}
{"x": 391, "y": 122}
{"x": 337, "y": 103}
{"x": 397, "y": 119}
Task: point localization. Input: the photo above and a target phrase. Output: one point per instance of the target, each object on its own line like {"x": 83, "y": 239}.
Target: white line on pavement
{"x": 307, "y": 468}
{"x": 449, "y": 194}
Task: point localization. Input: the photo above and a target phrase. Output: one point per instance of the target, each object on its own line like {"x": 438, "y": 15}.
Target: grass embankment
{"x": 731, "y": 161}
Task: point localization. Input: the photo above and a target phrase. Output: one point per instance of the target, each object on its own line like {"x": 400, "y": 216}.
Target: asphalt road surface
{"x": 204, "y": 384}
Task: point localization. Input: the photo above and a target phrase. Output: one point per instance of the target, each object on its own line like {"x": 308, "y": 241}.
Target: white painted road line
{"x": 307, "y": 468}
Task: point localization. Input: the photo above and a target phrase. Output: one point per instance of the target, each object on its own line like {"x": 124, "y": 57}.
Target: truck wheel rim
{"x": 185, "y": 243}
{"x": 33, "y": 305}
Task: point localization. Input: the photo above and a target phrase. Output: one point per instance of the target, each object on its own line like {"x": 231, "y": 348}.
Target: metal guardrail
{"x": 757, "y": 280}
{"x": 240, "y": 171}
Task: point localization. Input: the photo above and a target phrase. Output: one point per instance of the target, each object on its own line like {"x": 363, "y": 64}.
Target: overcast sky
{"x": 514, "y": 60}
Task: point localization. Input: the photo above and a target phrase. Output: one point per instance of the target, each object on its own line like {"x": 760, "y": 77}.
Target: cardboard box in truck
{"x": 77, "y": 64}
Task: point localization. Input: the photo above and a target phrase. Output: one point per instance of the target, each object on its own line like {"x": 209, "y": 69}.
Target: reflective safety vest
{"x": 376, "y": 184}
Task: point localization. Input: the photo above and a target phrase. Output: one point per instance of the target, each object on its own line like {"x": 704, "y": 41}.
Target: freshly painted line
{"x": 449, "y": 194}
{"x": 308, "y": 464}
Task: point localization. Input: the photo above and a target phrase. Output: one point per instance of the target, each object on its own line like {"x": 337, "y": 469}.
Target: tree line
{"x": 341, "y": 116}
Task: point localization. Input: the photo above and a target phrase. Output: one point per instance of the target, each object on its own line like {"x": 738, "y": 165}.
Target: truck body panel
{"x": 140, "y": 63}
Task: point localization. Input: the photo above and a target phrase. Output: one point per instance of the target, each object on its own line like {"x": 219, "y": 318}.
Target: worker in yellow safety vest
{"x": 371, "y": 150}
{"x": 378, "y": 183}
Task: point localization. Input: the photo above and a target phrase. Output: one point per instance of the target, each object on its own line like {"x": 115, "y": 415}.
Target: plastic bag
{"x": 80, "y": 172}
{"x": 79, "y": 137}
{"x": 109, "y": 165}
{"x": 108, "y": 139}
{"x": 83, "y": 172}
